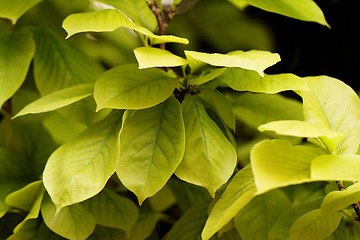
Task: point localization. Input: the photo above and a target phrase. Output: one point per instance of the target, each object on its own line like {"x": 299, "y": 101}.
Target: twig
{"x": 355, "y": 206}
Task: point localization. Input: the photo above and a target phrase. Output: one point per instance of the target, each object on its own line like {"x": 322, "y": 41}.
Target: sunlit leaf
{"x": 136, "y": 10}
{"x": 254, "y": 222}
{"x": 207, "y": 150}
{"x": 245, "y": 80}
{"x": 109, "y": 20}
{"x": 314, "y": 225}
{"x": 151, "y": 145}
{"x": 277, "y": 163}
{"x": 148, "y": 57}
{"x": 337, "y": 200}
{"x": 112, "y": 210}
{"x": 299, "y": 129}
{"x": 80, "y": 168}
{"x": 331, "y": 167}
{"x": 237, "y": 194}
{"x": 16, "y": 51}
{"x": 14, "y": 9}
{"x": 72, "y": 222}
{"x": 337, "y": 110}
{"x": 58, "y": 99}
{"x": 251, "y": 60}
{"x": 205, "y": 76}
{"x": 305, "y": 10}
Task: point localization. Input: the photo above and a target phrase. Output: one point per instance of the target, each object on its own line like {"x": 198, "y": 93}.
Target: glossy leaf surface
{"x": 148, "y": 57}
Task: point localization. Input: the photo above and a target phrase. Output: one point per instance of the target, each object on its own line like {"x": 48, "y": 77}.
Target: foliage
{"x": 120, "y": 133}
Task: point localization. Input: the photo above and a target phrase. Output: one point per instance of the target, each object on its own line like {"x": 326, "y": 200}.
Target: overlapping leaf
{"x": 237, "y": 195}
{"x": 331, "y": 167}
{"x": 72, "y": 222}
{"x": 246, "y": 80}
{"x": 251, "y": 60}
{"x": 59, "y": 65}
{"x": 337, "y": 110}
{"x": 148, "y": 57}
{"x": 254, "y": 222}
{"x": 207, "y": 150}
{"x": 127, "y": 87}
{"x": 16, "y": 52}
{"x": 14, "y": 9}
{"x": 305, "y": 10}
{"x": 109, "y": 20}
{"x": 80, "y": 168}
{"x": 151, "y": 145}
{"x": 58, "y": 99}
{"x": 276, "y": 163}
{"x": 314, "y": 225}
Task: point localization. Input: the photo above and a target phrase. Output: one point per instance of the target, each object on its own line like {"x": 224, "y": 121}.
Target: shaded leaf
{"x": 207, "y": 150}
{"x": 127, "y": 87}
{"x": 252, "y": 60}
{"x": 277, "y": 163}
{"x": 237, "y": 195}
{"x": 255, "y": 221}
{"x": 148, "y": 57}
{"x": 59, "y": 65}
{"x": 16, "y": 52}
{"x": 109, "y": 20}
{"x": 72, "y": 222}
{"x": 112, "y": 210}
{"x": 58, "y": 99}
{"x": 314, "y": 225}
{"x": 80, "y": 168}
{"x": 205, "y": 76}
{"x": 152, "y": 145}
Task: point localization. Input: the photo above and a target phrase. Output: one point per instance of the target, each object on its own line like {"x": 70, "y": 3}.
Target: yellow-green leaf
{"x": 252, "y": 60}
{"x": 148, "y": 57}
{"x": 14, "y": 9}
{"x": 109, "y": 20}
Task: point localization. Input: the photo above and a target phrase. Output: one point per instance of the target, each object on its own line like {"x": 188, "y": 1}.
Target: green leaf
{"x": 112, "y": 210}
{"x": 257, "y": 109}
{"x": 80, "y": 168}
{"x": 24, "y": 198}
{"x": 189, "y": 226}
{"x": 205, "y": 76}
{"x": 34, "y": 229}
{"x": 34, "y": 211}
{"x": 59, "y": 65}
{"x": 152, "y": 145}
{"x": 337, "y": 110}
{"x": 72, "y": 222}
{"x": 305, "y": 10}
{"x": 127, "y": 87}
{"x": 16, "y": 51}
{"x": 280, "y": 229}
{"x": 314, "y": 225}
{"x": 245, "y": 80}
{"x": 207, "y": 150}
{"x": 13, "y": 168}
{"x": 58, "y": 99}
{"x": 236, "y": 196}
{"x": 331, "y": 167}
{"x": 299, "y": 129}
{"x": 14, "y": 9}
{"x": 252, "y": 60}
{"x": 145, "y": 225}
{"x": 338, "y": 200}
{"x": 254, "y": 222}
{"x": 148, "y": 57}
{"x": 109, "y": 20}
{"x": 277, "y": 163}
{"x": 136, "y": 10}
{"x": 217, "y": 101}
